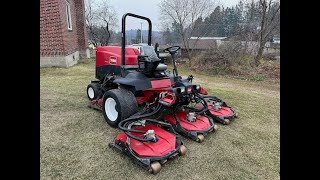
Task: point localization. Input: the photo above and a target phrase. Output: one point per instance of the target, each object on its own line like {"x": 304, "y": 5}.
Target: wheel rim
{"x": 90, "y": 92}
{"x": 110, "y": 109}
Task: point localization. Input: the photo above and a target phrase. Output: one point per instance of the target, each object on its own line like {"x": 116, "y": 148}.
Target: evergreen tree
{"x": 214, "y": 23}
{"x": 199, "y": 28}
{"x": 167, "y": 37}
{"x": 176, "y": 31}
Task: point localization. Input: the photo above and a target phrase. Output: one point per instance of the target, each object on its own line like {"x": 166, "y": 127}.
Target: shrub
{"x": 231, "y": 58}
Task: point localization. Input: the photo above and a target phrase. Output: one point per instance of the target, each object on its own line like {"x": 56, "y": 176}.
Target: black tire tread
{"x": 96, "y": 88}
{"x": 127, "y": 102}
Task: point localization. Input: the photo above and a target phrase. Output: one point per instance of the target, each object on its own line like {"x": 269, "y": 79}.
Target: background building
{"x": 63, "y": 36}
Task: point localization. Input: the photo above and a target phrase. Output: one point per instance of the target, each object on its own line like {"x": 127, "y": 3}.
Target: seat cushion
{"x": 161, "y": 67}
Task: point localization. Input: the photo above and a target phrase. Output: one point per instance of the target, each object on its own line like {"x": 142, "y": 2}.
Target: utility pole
{"x": 141, "y": 33}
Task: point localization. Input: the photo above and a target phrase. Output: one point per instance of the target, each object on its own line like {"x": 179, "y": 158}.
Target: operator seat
{"x": 152, "y": 56}
{"x": 161, "y": 67}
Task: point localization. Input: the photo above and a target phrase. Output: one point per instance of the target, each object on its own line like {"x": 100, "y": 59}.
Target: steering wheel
{"x": 172, "y": 49}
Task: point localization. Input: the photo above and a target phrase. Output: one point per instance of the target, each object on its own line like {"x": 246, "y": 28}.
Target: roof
{"x": 140, "y": 44}
{"x": 199, "y": 43}
{"x": 202, "y": 43}
{"x": 164, "y": 46}
{"x": 213, "y": 38}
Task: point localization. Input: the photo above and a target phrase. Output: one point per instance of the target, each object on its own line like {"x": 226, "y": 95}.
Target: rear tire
{"x": 117, "y": 105}
{"x": 93, "y": 91}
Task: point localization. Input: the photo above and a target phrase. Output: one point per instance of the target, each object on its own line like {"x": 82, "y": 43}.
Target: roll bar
{"x": 123, "y": 37}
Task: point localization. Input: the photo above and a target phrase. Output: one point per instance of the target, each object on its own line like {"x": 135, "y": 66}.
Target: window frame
{"x": 68, "y": 13}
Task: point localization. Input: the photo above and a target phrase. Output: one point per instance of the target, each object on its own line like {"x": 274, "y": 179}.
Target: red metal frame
{"x": 158, "y": 86}
{"x": 203, "y": 91}
{"x": 149, "y": 95}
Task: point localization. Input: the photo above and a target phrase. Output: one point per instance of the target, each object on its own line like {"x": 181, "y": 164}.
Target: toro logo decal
{"x": 189, "y": 90}
{"x": 113, "y": 60}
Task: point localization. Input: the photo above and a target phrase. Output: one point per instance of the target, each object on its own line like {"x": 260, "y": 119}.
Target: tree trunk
{"x": 259, "y": 54}
{"x": 108, "y": 34}
{"x": 262, "y": 37}
{"x": 189, "y": 58}
{"x": 187, "y": 47}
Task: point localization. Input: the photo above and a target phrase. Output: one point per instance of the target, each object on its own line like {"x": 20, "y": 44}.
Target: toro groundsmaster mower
{"x": 125, "y": 80}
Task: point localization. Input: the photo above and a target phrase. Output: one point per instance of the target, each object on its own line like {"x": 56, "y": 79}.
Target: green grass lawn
{"x": 74, "y": 138}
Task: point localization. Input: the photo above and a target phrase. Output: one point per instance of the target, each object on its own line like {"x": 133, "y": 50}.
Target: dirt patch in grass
{"x": 74, "y": 138}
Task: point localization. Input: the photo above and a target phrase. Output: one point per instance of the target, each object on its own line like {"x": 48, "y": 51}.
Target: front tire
{"x": 93, "y": 91}
{"x": 117, "y": 105}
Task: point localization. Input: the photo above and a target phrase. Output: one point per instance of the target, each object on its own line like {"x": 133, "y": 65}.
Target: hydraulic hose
{"x": 141, "y": 139}
{"x": 205, "y": 105}
{"x": 120, "y": 125}
{"x": 129, "y": 121}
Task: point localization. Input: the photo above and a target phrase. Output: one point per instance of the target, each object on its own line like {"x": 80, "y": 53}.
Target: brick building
{"x": 63, "y": 36}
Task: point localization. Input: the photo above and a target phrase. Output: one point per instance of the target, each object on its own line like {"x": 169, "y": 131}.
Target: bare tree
{"x": 185, "y": 13}
{"x": 90, "y": 17}
{"x": 270, "y": 20}
{"x": 101, "y": 18}
{"x": 108, "y": 19}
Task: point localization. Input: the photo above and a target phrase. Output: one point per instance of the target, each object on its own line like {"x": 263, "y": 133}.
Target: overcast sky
{"x": 147, "y": 8}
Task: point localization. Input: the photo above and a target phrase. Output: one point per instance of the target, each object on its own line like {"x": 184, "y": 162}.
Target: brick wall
{"x": 81, "y": 27}
{"x": 51, "y": 42}
{"x": 70, "y": 37}
{"x": 55, "y": 38}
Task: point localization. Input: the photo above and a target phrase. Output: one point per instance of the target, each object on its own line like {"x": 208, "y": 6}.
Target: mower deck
{"x": 196, "y": 130}
{"x": 222, "y": 115}
{"x": 146, "y": 154}
{"x": 165, "y": 144}
{"x": 201, "y": 124}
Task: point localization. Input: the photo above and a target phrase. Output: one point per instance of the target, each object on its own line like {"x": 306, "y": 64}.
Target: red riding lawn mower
{"x": 127, "y": 81}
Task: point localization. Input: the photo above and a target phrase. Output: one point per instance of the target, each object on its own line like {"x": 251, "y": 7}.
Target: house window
{"x": 69, "y": 22}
